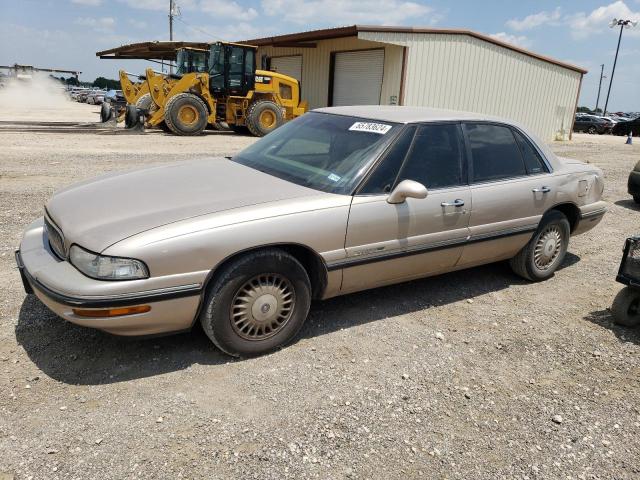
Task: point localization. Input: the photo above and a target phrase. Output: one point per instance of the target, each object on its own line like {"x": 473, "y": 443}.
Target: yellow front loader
{"x": 231, "y": 91}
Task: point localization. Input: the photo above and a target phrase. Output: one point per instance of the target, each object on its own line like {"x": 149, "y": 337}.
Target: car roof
{"x": 402, "y": 114}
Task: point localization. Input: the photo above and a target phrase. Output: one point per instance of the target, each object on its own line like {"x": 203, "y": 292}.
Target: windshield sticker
{"x": 333, "y": 177}
{"x": 380, "y": 128}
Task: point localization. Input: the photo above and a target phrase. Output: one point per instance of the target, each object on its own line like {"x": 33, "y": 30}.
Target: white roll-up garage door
{"x": 357, "y": 77}
{"x": 291, "y": 65}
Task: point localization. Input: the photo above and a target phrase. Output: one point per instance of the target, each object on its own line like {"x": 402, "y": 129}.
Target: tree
{"x": 106, "y": 83}
{"x": 584, "y": 110}
{"x": 72, "y": 81}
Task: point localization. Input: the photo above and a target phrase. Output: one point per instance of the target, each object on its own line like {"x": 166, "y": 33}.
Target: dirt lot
{"x": 457, "y": 376}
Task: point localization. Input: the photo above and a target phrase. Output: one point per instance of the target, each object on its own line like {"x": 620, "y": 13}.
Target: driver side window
{"x": 384, "y": 176}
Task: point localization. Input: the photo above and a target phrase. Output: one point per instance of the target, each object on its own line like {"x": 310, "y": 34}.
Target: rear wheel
{"x": 626, "y": 307}
{"x": 186, "y": 114}
{"x": 545, "y": 252}
{"x": 257, "y": 303}
{"x": 263, "y": 117}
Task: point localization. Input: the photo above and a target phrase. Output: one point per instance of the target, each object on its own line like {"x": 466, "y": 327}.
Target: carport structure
{"x": 442, "y": 68}
{"x": 151, "y": 51}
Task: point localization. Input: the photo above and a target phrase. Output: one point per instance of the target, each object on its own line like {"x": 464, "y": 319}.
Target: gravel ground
{"x": 474, "y": 375}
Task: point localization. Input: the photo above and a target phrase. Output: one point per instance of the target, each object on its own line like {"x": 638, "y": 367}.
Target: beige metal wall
{"x": 465, "y": 73}
{"x": 316, "y": 67}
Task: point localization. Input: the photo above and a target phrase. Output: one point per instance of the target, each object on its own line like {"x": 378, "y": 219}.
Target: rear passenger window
{"x": 532, "y": 160}
{"x": 494, "y": 152}
{"x": 435, "y": 159}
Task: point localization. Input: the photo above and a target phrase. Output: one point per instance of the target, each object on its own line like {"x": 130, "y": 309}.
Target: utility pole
{"x": 622, "y": 24}
{"x": 171, "y": 10}
{"x": 600, "y": 86}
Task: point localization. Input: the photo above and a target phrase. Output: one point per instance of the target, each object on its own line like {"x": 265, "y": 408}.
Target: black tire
{"x": 592, "y": 130}
{"x": 636, "y": 198}
{"x": 196, "y": 114}
{"x": 263, "y": 117}
{"x": 131, "y": 116}
{"x": 626, "y": 307}
{"x": 106, "y": 112}
{"x": 524, "y": 263}
{"x": 144, "y": 102}
{"x": 223, "y": 295}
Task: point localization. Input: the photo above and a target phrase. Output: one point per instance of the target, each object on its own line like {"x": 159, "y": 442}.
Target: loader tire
{"x": 264, "y": 116}
{"x": 131, "y": 116}
{"x": 106, "y": 112}
{"x": 144, "y": 102}
{"x": 186, "y": 114}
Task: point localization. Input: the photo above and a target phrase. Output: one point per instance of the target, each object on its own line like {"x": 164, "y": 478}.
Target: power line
{"x": 209, "y": 34}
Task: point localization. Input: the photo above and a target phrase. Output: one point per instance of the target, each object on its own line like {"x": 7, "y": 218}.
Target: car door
{"x": 388, "y": 243}
{"x": 511, "y": 188}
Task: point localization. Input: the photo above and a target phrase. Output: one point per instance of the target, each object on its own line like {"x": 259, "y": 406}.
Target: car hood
{"x": 100, "y": 212}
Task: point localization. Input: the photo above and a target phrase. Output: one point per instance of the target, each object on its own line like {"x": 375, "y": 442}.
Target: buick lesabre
{"x": 339, "y": 200}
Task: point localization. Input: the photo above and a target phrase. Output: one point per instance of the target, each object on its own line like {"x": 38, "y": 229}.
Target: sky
{"x": 66, "y": 33}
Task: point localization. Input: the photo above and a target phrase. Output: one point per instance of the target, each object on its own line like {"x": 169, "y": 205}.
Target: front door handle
{"x": 541, "y": 190}
{"x": 456, "y": 203}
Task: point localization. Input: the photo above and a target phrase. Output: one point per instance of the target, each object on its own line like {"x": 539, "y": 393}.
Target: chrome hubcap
{"x": 262, "y": 306}
{"x": 547, "y": 248}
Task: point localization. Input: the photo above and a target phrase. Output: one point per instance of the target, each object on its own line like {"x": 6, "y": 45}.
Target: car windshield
{"x": 322, "y": 151}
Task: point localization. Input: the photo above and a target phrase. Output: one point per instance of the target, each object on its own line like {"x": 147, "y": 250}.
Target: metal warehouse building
{"x": 454, "y": 69}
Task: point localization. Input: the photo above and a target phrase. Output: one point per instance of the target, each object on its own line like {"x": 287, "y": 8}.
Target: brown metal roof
{"x": 352, "y": 31}
{"x": 149, "y": 50}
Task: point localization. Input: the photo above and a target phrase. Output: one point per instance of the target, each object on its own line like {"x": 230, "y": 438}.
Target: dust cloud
{"x": 40, "y": 91}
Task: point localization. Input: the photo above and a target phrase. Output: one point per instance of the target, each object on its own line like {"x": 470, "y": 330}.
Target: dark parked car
{"x": 623, "y": 128}
{"x": 591, "y": 124}
{"x": 633, "y": 185}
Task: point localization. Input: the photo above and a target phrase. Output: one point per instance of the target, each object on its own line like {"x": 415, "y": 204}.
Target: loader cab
{"x": 232, "y": 69}
{"x": 192, "y": 60}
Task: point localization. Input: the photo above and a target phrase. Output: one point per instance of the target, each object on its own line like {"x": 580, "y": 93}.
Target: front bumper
{"x": 590, "y": 216}
{"x": 62, "y": 288}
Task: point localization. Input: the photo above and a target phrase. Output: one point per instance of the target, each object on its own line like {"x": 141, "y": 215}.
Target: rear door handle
{"x": 455, "y": 203}
{"x": 541, "y": 190}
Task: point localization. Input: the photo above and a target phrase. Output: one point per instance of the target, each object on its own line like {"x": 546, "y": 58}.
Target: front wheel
{"x": 545, "y": 252}
{"x": 592, "y": 130}
{"x": 626, "y": 307}
{"x": 257, "y": 303}
{"x": 636, "y": 198}
{"x": 186, "y": 114}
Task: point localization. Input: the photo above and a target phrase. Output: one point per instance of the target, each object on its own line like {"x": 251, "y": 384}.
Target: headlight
{"x": 103, "y": 267}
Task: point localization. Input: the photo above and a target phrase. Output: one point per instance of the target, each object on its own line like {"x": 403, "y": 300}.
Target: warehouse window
{"x": 532, "y": 159}
{"x": 435, "y": 157}
{"x": 494, "y": 152}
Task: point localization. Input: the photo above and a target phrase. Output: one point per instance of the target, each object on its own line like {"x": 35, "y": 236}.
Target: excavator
{"x": 231, "y": 90}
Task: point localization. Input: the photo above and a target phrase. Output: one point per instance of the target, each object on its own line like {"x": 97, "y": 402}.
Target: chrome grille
{"x": 56, "y": 240}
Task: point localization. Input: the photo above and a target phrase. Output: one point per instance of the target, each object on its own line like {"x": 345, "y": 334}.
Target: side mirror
{"x": 407, "y": 189}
